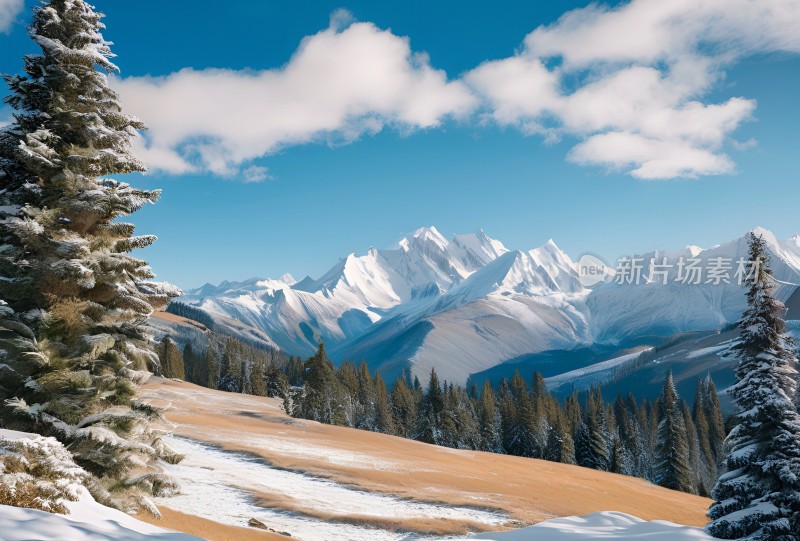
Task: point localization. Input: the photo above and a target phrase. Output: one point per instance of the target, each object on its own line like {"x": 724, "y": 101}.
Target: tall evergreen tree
{"x": 489, "y": 420}
{"x": 560, "y": 446}
{"x": 428, "y": 425}
{"x": 592, "y": 440}
{"x": 383, "y": 413}
{"x": 277, "y": 383}
{"x": 257, "y": 377}
{"x": 171, "y": 358}
{"x": 716, "y": 421}
{"x": 212, "y": 368}
{"x": 71, "y": 297}
{"x": 508, "y": 415}
{"x": 189, "y": 362}
{"x": 707, "y": 417}
{"x": 672, "y": 461}
{"x": 404, "y": 408}
{"x": 695, "y": 463}
{"x": 365, "y": 399}
{"x": 524, "y": 439}
{"x": 348, "y": 376}
{"x": 759, "y": 495}
{"x": 230, "y": 376}
{"x": 322, "y": 398}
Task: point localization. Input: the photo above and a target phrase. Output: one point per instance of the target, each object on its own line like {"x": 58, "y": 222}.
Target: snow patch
{"x": 219, "y": 485}
{"x": 603, "y": 525}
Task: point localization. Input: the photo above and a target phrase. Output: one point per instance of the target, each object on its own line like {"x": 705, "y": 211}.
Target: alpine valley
{"x": 471, "y": 307}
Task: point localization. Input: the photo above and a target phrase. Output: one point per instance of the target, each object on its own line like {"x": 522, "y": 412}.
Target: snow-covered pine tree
{"x": 560, "y": 447}
{"x": 230, "y": 374}
{"x": 629, "y": 445}
{"x": 73, "y": 300}
{"x": 591, "y": 439}
{"x": 759, "y": 495}
{"x": 277, "y": 384}
{"x": 672, "y": 454}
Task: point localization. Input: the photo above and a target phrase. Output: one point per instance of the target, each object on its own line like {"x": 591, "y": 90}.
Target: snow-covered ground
{"x": 87, "y": 520}
{"x": 221, "y": 485}
{"x": 605, "y": 525}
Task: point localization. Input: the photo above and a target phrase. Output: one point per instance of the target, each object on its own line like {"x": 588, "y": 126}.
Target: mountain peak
{"x": 550, "y": 252}
{"x": 477, "y": 249}
{"x": 426, "y": 235}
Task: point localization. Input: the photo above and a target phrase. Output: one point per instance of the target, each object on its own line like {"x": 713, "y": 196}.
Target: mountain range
{"x": 470, "y": 304}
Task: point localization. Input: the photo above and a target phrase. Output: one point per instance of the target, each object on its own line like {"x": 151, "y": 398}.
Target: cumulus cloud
{"x": 343, "y": 82}
{"x": 9, "y": 9}
{"x": 628, "y": 84}
{"x": 628, "y": 81}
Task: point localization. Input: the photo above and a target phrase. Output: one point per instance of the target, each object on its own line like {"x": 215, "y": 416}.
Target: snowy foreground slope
{"x": 470, "y": 303}
{"x": 87, "y": 520}
{"x": 605, "y": 525}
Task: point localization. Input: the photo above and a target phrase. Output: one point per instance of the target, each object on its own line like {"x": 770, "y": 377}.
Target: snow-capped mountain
{"x": 468, "y": 304}
{"x": 354, "y": 294}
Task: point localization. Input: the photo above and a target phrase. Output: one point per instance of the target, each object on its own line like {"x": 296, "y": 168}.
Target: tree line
{"x": 666, "y": 441}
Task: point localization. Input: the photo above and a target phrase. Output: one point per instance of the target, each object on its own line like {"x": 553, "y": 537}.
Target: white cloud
{"x": 648, "y": 158}
{"x": 9, "y": 9}
{"x": 341, "y": 83}
{"x": 255, "y": 173}
{"x": 629, "y": 84}
{"x": 629, "y": 81}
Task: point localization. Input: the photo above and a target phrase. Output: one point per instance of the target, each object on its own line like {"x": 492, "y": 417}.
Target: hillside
{"x": 301, "y": 476}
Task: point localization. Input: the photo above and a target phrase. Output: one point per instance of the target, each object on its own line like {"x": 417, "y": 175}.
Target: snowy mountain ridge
{"x": 470, "y": 303}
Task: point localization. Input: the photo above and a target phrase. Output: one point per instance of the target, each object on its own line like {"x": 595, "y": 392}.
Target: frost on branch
{"x": 38, "y": 473}
{"x": 73, "y": 345}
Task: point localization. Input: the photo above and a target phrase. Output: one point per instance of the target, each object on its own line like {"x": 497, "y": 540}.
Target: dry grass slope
{"x": 528, "y": 490}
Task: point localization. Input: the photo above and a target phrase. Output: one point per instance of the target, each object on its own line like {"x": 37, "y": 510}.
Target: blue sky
{"x": 459, "y": 151}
